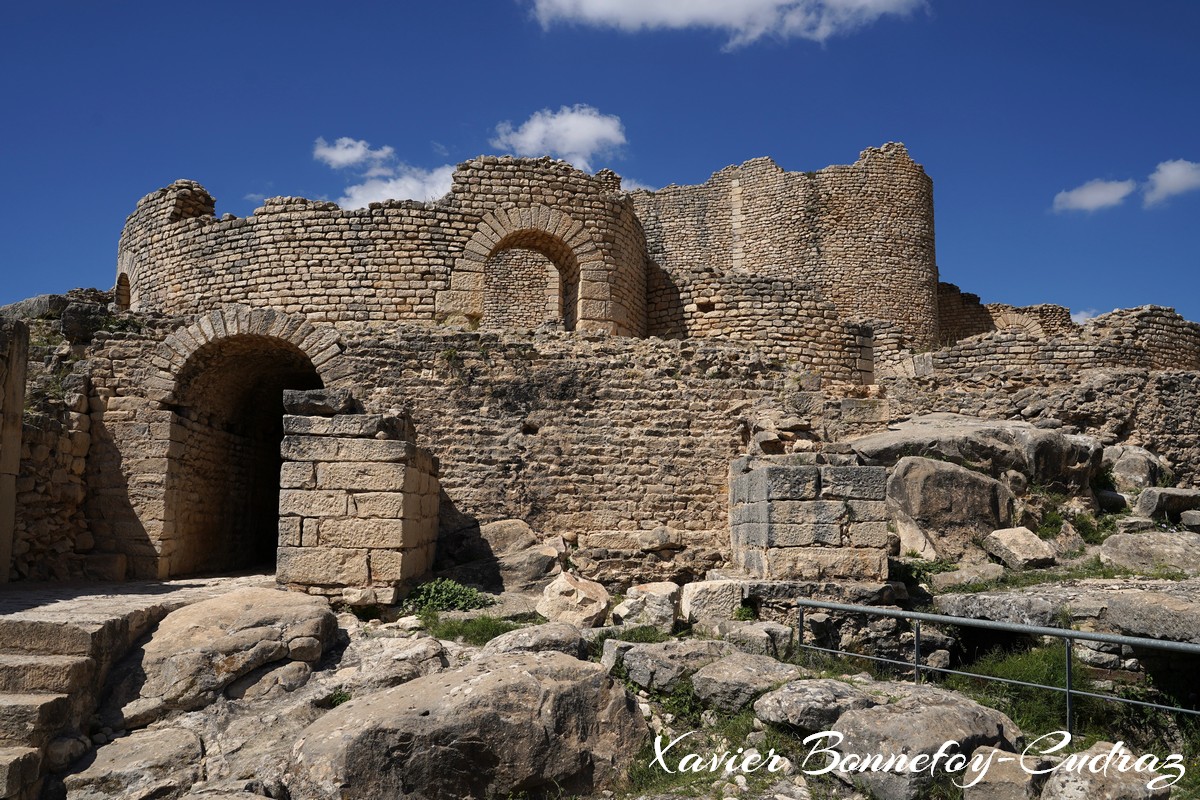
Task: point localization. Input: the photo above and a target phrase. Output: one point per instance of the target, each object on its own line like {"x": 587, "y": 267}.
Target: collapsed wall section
{"x": 862, "y": 235}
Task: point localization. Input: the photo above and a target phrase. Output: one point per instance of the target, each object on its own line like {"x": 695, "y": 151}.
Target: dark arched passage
{"x": 222, "y": 486}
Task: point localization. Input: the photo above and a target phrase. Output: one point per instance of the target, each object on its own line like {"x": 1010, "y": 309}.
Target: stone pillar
{"x": 358, "y": 507}
{"x": 794, "y": 518}
{"x": 14, "y": 350}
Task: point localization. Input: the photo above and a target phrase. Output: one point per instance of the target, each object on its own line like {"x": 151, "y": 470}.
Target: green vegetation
{"x": 476, "y": 631}
{"x": 642, "y": 634}
{"x": 746, "y": 613}
{"x": 443, "y": 594}
{"x": 1051, "y": 524}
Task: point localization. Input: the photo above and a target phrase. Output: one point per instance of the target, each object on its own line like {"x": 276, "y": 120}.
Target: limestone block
{"x": 352, "y": 532}
{"x": 391, "y": 505}
{"x": 829, "y": 512}
{"x": 854, "y": 483}
{"x": 826, "y": 562}
{"x": 301, "y": 503}
{"x": 362, "y": 476}
{"x": 1019, "y": 548}
{"x": 710, "y": 602}
{"x": 332, "y": 448}
{"x": 298, "y": 475}
{"x": 782, "y": 483}
{"x": 321, "y": 566}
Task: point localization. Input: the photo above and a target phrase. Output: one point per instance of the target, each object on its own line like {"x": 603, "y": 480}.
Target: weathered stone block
{"x": 351, "y": 532}
{"x": 784, "y": 483}
{"x": 854, "y": 483}
{"x": 710, "y": 601}
{"x": 297, "y": 475}
{"x": 331, "y": 448}
{"x": 311, "y": 503}
{"x": 362, "y": 476}
{"x": 389, "y": 505}
{"x": 868, "y": 534}
{"x": 321, "y": 566}
{"x": 826, "y": 562}
{"x": 289, "y": 531}
{"x": 867, "y": 510}
{"x": 801, "y": 512}
{"x": 804, "y": 534}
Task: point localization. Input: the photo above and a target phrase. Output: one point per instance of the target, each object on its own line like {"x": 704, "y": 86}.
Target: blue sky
{"x": 1063, "y": 137}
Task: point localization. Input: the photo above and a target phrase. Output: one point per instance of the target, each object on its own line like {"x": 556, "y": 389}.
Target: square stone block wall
{"x": 357, "y": 510}
{"x": 793, "y": 518}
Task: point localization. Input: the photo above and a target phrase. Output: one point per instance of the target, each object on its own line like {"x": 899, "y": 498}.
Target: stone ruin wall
{"x": 1148, "y": 337}
{"x": 387, "y": 263}
{"x": 861, "y": 235}
{"x": 961, "y": 315}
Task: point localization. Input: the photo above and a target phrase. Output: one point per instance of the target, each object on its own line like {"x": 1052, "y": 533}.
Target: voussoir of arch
{"x": 464, "y": 297}
{"x": 1010, "y": 320}
{"x": 320, "y": 344}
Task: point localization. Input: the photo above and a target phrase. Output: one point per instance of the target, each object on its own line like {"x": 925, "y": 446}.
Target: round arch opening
{"x": 531, "y": 277}
{"x": 222, "y": 485}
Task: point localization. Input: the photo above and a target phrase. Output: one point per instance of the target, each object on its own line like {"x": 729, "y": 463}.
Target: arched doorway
{"x": 222, "y": 486}
{"x": 530, "y": 277}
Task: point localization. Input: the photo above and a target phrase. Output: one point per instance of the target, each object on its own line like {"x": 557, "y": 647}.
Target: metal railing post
{"x": 1070, "y": 721}
{"x": 916, "y": 651}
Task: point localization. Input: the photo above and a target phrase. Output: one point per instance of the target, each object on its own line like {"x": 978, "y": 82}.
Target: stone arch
{"x": 1015, "y": 320}
{"x": 222, "y": 379}
{"x": 553, "y": 234}
{"x": 320, "y": 345}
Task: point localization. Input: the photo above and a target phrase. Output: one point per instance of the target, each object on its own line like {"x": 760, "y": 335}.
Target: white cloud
{"x": 406, "y": 183}
{"x": 633, "y": 185}
{"x": 347, "y": 152}
{"x": 575, "y": 133}
{"x": 745, "y": 21}
{"x": 1094, "y": 195}
{"x": 254, "y": 197}
{"x": 1082, "y": 316}
{"x": 1171, "y": 178}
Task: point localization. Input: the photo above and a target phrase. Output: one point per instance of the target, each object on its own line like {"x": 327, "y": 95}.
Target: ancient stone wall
{"x": 862, "y": 235}
{"x": 783, "y": 317}
{"x": 961, "y": 315}
{"x": 1149, "y": 337}
{"x": 396, "y": 261}
{"x": 14, "y": 343}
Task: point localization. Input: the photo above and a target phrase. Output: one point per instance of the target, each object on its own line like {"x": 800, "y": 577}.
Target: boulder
{"x": 920, "y": 721}
{"x": 1190, "y": 520}
{"x": 659, "y": 667}
{"x": 146, "y": 765}
{"x": 1153, "y": 551}
{"x": 382, "y": 662}
{"x": 1043, "y": 456}
{"x": 1134, "y": 468}
{"x": 708, "y": 602}
{"x": 965, "y": 576}
{"x": 1168, "y": 503}
{"x": 200, "y": 649}
{"x": 559, "y": 636}
{"x": 731, "y": 683}
{"x": 504, "y": 555}
{"x": 529, "y": 723}
{"x": 577, "y": 601}
{"x": 654, "y": 604}
{"x": 1003, "y": 777}
{"x": 1019, "y": 548}
{"x": 811, "y": 705}
{"x": 951, "y": 508}
{"x": 1088, "y": 783}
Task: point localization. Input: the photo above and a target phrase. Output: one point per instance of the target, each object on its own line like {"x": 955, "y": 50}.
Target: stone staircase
{"x": 57, "y": 645}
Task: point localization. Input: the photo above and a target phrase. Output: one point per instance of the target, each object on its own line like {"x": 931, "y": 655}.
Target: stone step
{"x": 29, "y": 672}
{"x": 32, "y": 719}
{"x": 50, "y": 637}
{"x": 19, "y": 768}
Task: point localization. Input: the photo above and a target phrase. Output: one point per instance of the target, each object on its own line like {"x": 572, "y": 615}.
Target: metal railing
{"x": 1069, "y": 638}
